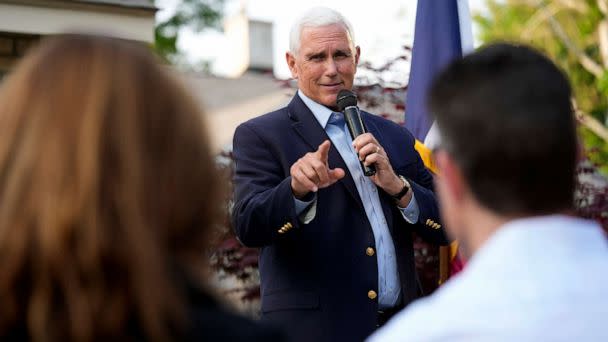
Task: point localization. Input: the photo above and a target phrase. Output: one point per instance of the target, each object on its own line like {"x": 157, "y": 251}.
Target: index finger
{"x": 323, "y": 151}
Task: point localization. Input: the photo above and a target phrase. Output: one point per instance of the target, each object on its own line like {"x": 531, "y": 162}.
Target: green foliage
{"x": 526, "y": 22}
{"x": 602, "y": 83}
{"x": 194, "y": 14}
{"x": 596, "y": 149}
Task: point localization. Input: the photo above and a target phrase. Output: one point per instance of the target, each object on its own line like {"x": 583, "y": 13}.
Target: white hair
{"x": 317, "y": 17}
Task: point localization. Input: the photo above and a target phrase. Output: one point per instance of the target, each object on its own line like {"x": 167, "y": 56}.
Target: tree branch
{"x": 541, "y": 15}
{"x": 591, "y": 123}
{"x": 588, "y": 64}
{"x": 602, "y": 32}
{"x": 578, "y": 5}
{"x": 603, "y": 6}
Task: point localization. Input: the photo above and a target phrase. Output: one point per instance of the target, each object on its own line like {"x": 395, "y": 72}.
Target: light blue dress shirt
{"x": 389, "y": 287}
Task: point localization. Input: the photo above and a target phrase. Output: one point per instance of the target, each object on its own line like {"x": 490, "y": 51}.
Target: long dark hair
{"x": 106, "y": 185}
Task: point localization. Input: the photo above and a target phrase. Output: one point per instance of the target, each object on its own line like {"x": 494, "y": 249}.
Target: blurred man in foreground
{"x": 507, "y": 168}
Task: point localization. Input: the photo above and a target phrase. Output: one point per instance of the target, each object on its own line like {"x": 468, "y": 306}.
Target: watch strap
{"x": 403, "y": 191}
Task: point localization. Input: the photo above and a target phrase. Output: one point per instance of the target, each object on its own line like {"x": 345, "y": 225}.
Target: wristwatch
{"x": 404, "y": 191}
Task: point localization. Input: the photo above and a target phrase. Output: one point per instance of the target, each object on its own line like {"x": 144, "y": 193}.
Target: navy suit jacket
{"x": 316, "y": 277}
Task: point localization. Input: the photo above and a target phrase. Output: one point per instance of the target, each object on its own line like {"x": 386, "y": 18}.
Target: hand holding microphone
{"x": 347, "y": 103}
{"x": 374, "y": 160}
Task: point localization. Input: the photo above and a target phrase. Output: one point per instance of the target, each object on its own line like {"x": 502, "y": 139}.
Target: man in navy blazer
{"x": 336, "y": 254}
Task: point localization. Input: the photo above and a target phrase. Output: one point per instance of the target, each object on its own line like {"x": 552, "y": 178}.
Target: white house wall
{"x": 43, "y": 20}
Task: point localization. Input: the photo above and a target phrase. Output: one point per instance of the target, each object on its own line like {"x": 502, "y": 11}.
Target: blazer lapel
{"x": 307, "y": 127}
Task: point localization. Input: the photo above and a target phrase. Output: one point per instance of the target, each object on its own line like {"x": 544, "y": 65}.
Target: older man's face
{"x": 325, "y": 63}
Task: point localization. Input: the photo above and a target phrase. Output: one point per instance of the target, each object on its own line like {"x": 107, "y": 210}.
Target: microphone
{"x": 347, "y": 103}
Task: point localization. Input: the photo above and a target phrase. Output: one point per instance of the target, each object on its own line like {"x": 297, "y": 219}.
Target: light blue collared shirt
{"x": 389, "y": 287}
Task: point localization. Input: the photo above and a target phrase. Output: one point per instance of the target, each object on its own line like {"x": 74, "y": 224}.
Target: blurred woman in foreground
{"x": 108, "y": 193}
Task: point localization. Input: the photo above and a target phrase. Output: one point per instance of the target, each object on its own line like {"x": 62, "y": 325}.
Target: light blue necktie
{"x": 336, "y": 119}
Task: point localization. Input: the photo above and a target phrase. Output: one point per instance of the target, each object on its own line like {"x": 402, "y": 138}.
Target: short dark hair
{"x": 506, "y": 117}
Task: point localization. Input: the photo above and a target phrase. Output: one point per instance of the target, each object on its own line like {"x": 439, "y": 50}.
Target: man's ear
{"x": 451, "y": 176}
{"x": 291, "y": 63}
{"x": 357, "y": 54}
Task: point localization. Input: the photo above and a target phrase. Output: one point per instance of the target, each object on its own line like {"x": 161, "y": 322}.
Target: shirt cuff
{"x": 306, "y": 210}
{"x": 412, "y": 211}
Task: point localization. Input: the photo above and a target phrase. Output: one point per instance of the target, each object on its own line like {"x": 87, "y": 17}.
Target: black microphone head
{"x": 346, "y": 98}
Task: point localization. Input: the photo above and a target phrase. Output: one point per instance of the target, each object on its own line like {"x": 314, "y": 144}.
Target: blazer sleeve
{"x": 263, "y": 200}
